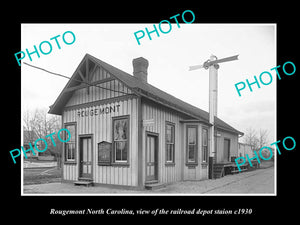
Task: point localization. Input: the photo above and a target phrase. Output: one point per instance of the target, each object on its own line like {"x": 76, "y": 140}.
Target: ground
{"x": 40, "y": 172}
{"x": 260, "y": 181}
{"x": 42, "y": 175}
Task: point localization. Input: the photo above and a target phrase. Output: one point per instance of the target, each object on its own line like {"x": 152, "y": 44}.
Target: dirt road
{"x": 259, "y": 181}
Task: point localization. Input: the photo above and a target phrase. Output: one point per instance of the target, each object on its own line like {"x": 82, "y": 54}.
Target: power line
{"x": 57, "y": 74}
{"x": 81, "y": 81}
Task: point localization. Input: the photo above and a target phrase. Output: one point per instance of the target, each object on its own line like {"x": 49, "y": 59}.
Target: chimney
{"x": 140, "y": 66}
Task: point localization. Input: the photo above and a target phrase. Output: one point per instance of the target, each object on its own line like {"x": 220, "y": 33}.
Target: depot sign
{"x": 98, "y": 111}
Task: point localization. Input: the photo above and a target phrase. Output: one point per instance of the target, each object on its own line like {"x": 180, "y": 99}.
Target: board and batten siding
{"x": 100, "y": 127}
{"x": 160, "y": 115}
{"x": 220, "y": 145}
{"x": 110, "y": 88}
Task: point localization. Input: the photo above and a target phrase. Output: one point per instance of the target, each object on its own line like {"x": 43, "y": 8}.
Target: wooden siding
{"x": 99, "y": 75}
{"x": 159, "y": 115}
{"x": 90, "y": 109}
{"x": 78, "y": 109}
{"x": 244, "y": 149}
{"x": 101, "y": 128}
{"x": 220, "y": 145}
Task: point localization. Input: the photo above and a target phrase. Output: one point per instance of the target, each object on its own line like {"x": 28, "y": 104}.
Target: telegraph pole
{"x": 213, "y": 103}
{"x": 213, "y": 66}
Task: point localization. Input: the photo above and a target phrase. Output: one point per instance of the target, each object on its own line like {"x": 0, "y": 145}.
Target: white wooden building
{"x": 245, "y": 149}
{"x": 124, "y": 131}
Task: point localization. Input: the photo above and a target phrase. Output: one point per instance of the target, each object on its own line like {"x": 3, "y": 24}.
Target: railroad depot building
{"x": 124, "y": 131}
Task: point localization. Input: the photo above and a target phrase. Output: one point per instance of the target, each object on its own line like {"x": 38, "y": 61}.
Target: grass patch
{"x": 41, "y": 176}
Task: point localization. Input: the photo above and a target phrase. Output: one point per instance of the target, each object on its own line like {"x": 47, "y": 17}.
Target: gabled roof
{"x": 140, "y": 88}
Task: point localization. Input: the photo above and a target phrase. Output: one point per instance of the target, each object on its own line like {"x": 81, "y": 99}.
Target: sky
{"x": 169, "y": 56}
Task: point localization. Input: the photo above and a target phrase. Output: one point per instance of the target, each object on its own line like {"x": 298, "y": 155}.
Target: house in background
{"x": 245, "y": 149}
{"x": 30, "y": 136}
{"x": 126, "y": 132}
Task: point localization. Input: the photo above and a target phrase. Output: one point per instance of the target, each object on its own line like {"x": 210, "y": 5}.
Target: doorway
{"x": 151, "y": 157}
{"x": 85, "y": 157}
{"x": 226, "y": 150}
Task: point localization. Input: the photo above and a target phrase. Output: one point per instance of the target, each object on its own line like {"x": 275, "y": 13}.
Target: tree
{"x": 257, "y": 139}
{"x": 251, "y": 138}
{"x": 263, "y": 138}
{"x": 43, "y": 124}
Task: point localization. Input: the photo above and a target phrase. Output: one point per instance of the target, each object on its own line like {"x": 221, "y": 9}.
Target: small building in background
{"x": 29, "y": 137}
{"x": 245, "y": 149}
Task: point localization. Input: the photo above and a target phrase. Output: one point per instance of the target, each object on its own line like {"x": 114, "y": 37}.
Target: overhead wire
{"x": 81, "y": 81}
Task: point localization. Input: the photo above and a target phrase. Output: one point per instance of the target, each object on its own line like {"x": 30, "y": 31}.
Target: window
{"x": 192, "y": 145}
{"x": 170, "y": 143}
{"x": 204, "y": 144}
{"x": 70, "y": 146}
{"x": 120, "y": 139}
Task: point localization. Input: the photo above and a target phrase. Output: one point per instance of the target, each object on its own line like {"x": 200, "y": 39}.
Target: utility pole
{"x": 213, "y": 66}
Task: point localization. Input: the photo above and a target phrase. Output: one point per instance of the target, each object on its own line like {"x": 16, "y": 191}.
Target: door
{"x": 86, "y": 166}
{"x": 151, "y": 157}
{"x": 226, "y": 150}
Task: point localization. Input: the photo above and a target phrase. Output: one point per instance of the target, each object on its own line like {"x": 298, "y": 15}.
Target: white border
{"x": 170, "y": 194}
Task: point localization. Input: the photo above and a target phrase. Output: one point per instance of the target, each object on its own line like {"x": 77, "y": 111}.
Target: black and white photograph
{"x": 168, "y": 109}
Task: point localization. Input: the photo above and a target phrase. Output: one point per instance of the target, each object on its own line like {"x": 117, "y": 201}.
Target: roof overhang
{"x": 80, "y": 79}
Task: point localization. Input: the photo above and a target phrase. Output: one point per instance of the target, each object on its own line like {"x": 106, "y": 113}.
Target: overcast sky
{"x": 169, "y": 56}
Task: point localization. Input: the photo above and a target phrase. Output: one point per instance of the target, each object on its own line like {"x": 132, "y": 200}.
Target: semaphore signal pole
{"x": 213, "y": 66}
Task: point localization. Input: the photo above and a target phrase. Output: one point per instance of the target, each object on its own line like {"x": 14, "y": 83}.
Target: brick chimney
{"x": 140, "y": 66}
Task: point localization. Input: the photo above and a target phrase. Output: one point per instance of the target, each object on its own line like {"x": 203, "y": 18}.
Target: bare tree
{"x": 28, "y": 123}
{"x": 251, "y": 138}
{"x": 263, "y": 139}
{"x": 257, "y": 139}
{"x": 43, "y": 124}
